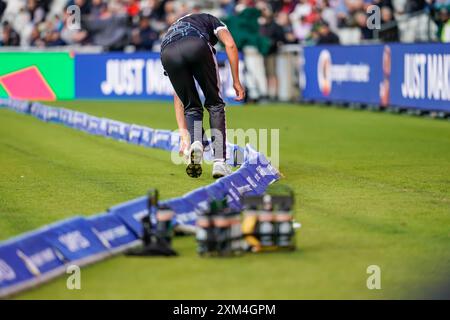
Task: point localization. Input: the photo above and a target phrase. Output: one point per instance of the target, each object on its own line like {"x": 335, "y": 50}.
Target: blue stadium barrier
{"x": 115, "y": 233}
{"x": 131, "y": 214}
{"x": 19, "y": 106}
{"x": 75, "y": 239}
{"x": 118, "y": 130}
{"x": 80, "y": 120}
{"x": 93, "y": 126}
{"x": 13, "y": 271}
{"x": 147, "y": 137}
{"x": 52, "y": 115}
{"x": 135, "y": 134}
{"x": 152, "y": 138}
{"x": 393, "y": 75}
{"x": 65, "y": 117}
{"x": 38, "y": 110}
{"x": 185, "y": 210}
{"x": 125, "y": 76}
{"x": 36, "y": 257}
{"x": 40, "y": 252}
{"x": 216, "y": 191}
{"x": 162, "y": 139}
{"x": 249, "y": 179}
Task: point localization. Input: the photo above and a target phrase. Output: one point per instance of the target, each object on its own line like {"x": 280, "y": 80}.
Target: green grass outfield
{"x": 372, "y": 188}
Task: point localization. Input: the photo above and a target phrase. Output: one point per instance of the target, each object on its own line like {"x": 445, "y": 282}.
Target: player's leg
{"x": 206, "y": 73}
{"x": 182, "y": 80}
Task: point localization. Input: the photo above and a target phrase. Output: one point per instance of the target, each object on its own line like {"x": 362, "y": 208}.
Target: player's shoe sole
{"x": 218, "y": 175}
{"x": 194, "y": 168}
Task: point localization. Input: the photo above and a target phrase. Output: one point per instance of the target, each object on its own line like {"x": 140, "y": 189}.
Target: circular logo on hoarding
{"x": 324, "y": 65}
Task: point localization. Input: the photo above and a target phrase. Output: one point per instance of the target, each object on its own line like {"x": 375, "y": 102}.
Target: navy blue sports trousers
{"x": 190, "y": 58}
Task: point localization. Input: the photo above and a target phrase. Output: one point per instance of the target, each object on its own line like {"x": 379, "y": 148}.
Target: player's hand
{"x": 240, "y": 91}
{"x": 184, "y": 145}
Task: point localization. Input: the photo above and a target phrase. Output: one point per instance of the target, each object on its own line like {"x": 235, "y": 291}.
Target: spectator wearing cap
{"x": 325, "y": 35}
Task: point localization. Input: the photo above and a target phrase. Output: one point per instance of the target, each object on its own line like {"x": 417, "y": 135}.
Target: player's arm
{"x": 181, "y": 122}
{"x": 233, "y": 56}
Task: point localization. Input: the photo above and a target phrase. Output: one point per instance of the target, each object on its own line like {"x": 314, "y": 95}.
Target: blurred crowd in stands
{"x": 260, "y": 27}
{"x": 115, "y": 24}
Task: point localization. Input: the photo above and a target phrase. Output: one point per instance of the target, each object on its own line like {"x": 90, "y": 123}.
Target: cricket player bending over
{"x": 187, "y": 53}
